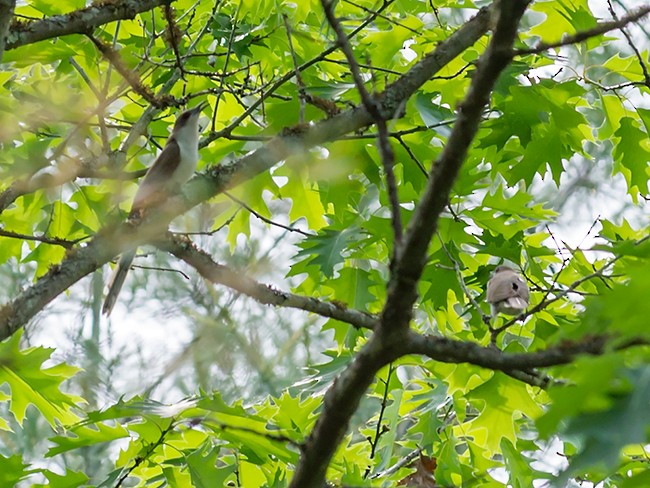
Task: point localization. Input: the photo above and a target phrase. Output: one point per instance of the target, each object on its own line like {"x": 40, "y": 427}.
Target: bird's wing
{"x": 157, "y": 178}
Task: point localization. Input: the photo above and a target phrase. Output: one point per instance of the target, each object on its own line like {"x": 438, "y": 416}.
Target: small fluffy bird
{"x": 172, "y": 168}
{"x": 507, "y": 292}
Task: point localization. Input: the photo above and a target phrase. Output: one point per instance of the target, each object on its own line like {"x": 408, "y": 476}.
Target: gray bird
{"x": 173, "y": 167}
{"x": 507, "y": 292}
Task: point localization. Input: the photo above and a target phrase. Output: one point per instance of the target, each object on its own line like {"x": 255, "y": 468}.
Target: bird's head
{"x": 187, "y": 123}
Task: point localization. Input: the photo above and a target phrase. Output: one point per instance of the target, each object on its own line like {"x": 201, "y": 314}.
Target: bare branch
{"x": 184, "y": 249}
{"x": 601, "y": 28}
{"x": 78, "y": 22}
{"x": 453, "y": 351}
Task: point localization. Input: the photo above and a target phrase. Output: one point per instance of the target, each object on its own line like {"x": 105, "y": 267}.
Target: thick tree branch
{"x": 453, "y": 351}
{"x": 6, "y": 14}
{"x": 77, "y": 22}
{"x": 342, "y": 399}
{"x": 340, "y": 402}
{"x": 78, "y": 263}
{"x": 402, "y": 288}
{"x": 185, "y": 250}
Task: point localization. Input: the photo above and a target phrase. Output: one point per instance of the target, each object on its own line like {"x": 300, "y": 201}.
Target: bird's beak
{"x": 198, "y": 108}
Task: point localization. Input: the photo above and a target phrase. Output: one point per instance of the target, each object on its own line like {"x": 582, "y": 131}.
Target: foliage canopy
{"x": 387, "y": 155}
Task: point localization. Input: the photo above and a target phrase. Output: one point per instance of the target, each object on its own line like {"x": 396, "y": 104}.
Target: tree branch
{"x": 343, "y": 398}
{"x": 453, "y": 351}
{"x": 185, "y": 250}
{"x": 77, "y": 22}
{"x": 601, "y": 28}
{"x": 6, "y": 14}
{"x": 56, "y": 241}
{"x": 402, "y": 288}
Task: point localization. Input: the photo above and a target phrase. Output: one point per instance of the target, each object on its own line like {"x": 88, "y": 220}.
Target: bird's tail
{"x": 117, "y": 280}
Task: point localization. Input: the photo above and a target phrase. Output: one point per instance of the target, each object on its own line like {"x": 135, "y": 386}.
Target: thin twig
{"x": 601, "y": 28}
{"x": 385, "y": 149}
{"x": 461, "y": 282}
{"x": 302, "y": 92}
{"x": 412, "y": 155}
{"x": 138, "y": 460}
{"x": 380, "y": 429}
{"x": 56, "y": 241}
{"x": 644, "y": 68}
{"x": 265, "y": 219}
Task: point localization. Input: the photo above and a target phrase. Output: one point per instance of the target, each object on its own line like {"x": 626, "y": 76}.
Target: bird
{"x": 507, "y": 292}
{"x": 173, "y": 167}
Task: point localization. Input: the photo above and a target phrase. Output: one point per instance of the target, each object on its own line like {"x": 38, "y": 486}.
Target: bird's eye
{"x": 514, "y": 286}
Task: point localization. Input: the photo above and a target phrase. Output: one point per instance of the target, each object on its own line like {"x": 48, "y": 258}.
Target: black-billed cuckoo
{"x": 173, "y": 167}
{"x": 507, "y": 292}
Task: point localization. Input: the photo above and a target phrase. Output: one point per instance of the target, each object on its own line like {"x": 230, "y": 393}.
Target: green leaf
{"x": 517, "y": 203}
{"x": 617, "y": 308}
{"x": 502, "y": 402}
{"x": 12, "y": 470}
{"x": 33, "y": 384}
{"x": 293, "y": 414}
{"x": 632, "y": 156}
{"x": 602, "y": 434}
{"x": 520, "y": 473}
{"x": 352, "y": 287}
{"x": 431, "y": 113}
{"x": 327, "y": 249}
{"x": 202, "y": 465}
{"x": 85, "y": 436}
{"x": 71, "y": 479}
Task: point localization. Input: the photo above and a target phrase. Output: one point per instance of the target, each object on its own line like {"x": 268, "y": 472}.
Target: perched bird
{"x": 507, "y": 292}
{"x": 173, "y": 167}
